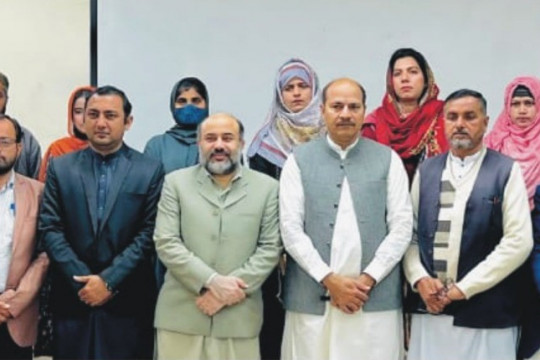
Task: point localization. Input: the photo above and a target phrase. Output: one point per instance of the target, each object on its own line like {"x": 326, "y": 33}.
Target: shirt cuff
{"x": 467, "y": 288}
{"x": 415, "y": 275}
{"x": 376, "y": 270}
{"x": 321, "y": 272}
{"x": 209, "y": 280}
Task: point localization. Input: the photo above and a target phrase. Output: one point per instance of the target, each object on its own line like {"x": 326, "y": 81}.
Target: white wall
{"x": 45, "y": 54}
{"x": 236, "y": 47}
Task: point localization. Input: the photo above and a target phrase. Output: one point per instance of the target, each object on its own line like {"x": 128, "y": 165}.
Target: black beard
{"x": 4, "y": 169}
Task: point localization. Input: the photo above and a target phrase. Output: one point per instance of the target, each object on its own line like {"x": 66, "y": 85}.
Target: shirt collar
{"x": 467, "y": 160}
{"x": 110, "y": 156}
{"x": 342, "y": 153}
{"x": 10, "y": 184}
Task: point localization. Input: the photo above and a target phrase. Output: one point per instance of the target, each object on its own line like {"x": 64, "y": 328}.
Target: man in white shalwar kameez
{"x": 346, "y": 221}
{"x": 472, "y": 232}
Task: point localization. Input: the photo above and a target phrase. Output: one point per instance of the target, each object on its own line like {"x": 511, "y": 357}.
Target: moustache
{"x": 220, "y": 152}
{"x": 345, "y": 123}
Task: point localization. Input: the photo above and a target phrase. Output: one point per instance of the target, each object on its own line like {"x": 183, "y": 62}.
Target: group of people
{"x": 184, "y": 252}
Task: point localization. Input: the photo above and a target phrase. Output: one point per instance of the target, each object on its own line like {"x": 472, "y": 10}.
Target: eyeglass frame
{"x": 5, "y": 143}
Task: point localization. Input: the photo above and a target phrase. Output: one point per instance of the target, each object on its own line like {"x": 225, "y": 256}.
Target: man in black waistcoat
{"x": 472, "y": 233}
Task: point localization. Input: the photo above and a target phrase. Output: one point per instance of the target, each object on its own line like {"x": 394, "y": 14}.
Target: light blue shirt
{"x": 7, "y": 219}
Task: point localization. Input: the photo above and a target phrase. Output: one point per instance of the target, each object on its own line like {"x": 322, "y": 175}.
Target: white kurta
{"x": 435, "y": 337}
{"x": 336, "y": 335}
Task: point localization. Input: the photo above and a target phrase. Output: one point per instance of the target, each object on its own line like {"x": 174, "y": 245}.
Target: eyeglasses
{"x": 6, "y": 142}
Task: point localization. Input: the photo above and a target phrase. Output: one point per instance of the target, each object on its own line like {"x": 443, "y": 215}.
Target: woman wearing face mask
{"x": 294, "y": 118}
{"x": 516, "y": 132}
{"x": 177, "y": 147}
{"x": 77, "y": 137}
{"x": 410, "y": 119}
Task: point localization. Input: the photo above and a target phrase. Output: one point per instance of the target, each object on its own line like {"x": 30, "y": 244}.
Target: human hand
{"x": 5, "y": 315}
{"x": 346, "y": 293}
{"x": 454, "y": 293}
{"x": 366, "y": 282}
{"x": 95, "y": 292}
{"x": 228, "y": 289}
{"x": 209, "y": 304}
{"x": 433, "y": 294}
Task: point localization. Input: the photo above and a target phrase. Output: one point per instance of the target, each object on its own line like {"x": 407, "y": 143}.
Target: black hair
{"x": 4, "y": 81}
{"x": 418, "y": 57}
{"x": 16, "y": 125}
{"x": 111, "y": 90}
{"x": 325, "y": 90}
{"x": 85, "y": 93}
{"x": 458, "y": 94}
{"x": 195, "y": 83}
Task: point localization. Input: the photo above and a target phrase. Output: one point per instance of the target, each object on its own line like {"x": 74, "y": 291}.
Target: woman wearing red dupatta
{"x": 410, "y": 119}
{"x": 77, "y": 138}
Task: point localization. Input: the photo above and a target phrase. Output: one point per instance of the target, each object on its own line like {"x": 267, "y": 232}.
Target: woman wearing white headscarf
{"x": 294, "y": 118}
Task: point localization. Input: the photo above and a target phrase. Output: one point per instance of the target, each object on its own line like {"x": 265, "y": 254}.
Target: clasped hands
{"x": 437, "y": 295}
{"x": 5, "y": 315}
{"x": 221, "y": 291}
{"x": 348, "y": 294}
{"x": 95, "y": 292}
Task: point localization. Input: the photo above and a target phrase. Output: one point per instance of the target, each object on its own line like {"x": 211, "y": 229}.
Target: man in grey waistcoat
{"x": 472, "y": 232}
{"x": 346, "y": 221}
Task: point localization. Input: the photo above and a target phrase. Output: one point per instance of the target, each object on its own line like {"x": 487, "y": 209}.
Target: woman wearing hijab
{"x": 410, "y": 119}
{"x": 294, "y": 118}
{"x": 177, "y": 147}
{"x": 516, "y": 132}
{"x": 76, "y": 139}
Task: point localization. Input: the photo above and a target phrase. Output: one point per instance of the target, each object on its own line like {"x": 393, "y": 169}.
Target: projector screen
{"x": 236, "y": 47}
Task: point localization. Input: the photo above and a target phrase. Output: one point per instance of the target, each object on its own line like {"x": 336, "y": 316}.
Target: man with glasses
{"x": 29, "y": 160}
{"x": 21, "y": 274}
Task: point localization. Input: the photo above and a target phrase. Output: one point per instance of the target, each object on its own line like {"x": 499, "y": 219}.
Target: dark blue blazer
{"x": 120, "y": 249}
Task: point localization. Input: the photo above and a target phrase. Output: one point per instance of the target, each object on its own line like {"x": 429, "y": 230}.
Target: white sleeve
{"x": 412, "y": 266}
{"x": 515, "y": 245}
{"x": 399, "y": 219}
{"x": 291, "y": 214}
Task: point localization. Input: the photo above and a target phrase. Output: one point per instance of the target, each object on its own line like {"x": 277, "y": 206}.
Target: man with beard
{"x": 29, "y": 160}
{"x": 472, "y": 232}
{"x": 21, "y": 274}
{"x": 217, "y": 233}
